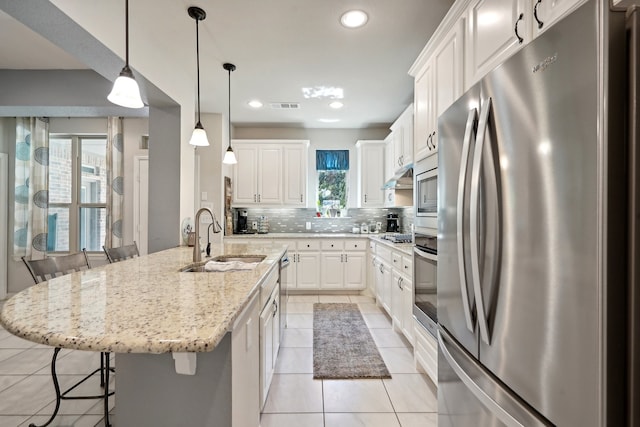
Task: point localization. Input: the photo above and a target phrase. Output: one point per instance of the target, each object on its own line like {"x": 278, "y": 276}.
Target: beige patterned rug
{"x": 342, "y": 345}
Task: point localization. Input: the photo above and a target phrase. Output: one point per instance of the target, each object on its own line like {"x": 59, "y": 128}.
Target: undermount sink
{"x": 199, "y": 266}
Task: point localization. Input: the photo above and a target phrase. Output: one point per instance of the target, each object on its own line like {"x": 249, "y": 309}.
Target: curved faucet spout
{"x": 197, "y": 253}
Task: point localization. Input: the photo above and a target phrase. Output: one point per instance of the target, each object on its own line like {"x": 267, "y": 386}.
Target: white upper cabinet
{"x": 295, "y": 174}
{"x": 496, "y": 29}
{"x": 370, "y": 173}
{"x": 548, "y": 12}
{"x": 270, "y": 173}
{"x": 423, "y": 107}
{"x": 402, "y": 139}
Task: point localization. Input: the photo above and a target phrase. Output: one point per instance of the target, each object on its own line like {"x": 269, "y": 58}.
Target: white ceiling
{"x": 278, "y": 46}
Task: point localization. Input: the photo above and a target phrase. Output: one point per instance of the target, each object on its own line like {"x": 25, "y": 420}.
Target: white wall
{"x": 320, "y": 139}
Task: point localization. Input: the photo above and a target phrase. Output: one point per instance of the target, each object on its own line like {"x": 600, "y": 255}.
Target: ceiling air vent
{"x": 285, "y": 105}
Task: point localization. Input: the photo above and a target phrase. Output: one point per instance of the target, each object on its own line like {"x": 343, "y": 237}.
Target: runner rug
{"x": 342, "y": 345}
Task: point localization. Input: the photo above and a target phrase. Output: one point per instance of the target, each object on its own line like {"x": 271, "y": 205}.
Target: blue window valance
{"x": 331, "y": 160}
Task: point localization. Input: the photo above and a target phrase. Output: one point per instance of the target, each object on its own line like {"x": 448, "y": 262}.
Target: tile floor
{"x": 408, "y": 399}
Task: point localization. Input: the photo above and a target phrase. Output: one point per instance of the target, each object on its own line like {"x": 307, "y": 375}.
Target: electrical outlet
{"x": 254, "y": 225}
{"x": 308, "y": 225}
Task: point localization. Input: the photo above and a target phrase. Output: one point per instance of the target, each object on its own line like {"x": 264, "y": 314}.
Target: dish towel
{"x": 229, "y": 266}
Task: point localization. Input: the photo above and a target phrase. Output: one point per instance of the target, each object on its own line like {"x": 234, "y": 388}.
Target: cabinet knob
{"x": 331, "y": 245}
{"x": 308, "y": 245}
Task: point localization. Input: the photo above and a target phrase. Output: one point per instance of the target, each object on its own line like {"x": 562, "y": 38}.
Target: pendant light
{"x": 126, "y": 92}
{"x": 199, "y": 136}
{"x": 229, "y": 155}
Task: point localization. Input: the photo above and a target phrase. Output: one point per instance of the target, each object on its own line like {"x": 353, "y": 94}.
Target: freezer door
{"x": 543, "y": 308}
{"x": 456, "y": 130}
{"x": 468, "y": 396}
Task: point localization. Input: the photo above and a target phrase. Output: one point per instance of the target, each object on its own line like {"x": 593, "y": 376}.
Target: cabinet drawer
{"x": 407, "y": 265}
{"x": 355, "y": 245}
{"x": 332, "y": 245}
{"x": 268, "y": 287}
{"x": 396, "y": 261}
{"x": 308, "y": 245}
{"x": 383, "y": 253}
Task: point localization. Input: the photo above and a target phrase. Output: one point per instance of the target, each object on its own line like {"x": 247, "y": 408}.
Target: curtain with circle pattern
{"x": 31, "y": 187}
{"x": 115, "y": 182}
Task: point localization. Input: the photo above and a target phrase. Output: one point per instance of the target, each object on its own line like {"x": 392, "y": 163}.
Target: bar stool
{"x": 121, "y": 253}
{"x": 42, "y": 270}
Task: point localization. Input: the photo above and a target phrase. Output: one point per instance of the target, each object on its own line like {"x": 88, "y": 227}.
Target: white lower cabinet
{"x": 307, "y": 264}
{"x": 343, "y": 264}
{"x": 269, "y": 337}
{"x": 245, "y": 367}
{"x": 425, "y": 351}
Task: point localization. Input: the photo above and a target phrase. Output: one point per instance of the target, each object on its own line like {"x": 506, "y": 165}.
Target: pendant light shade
{"x": 126, "y": 92}
{"x": 229, "y": 155}
{"x": 199, "y": 136}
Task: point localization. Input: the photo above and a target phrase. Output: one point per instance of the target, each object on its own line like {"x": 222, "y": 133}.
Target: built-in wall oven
{"x": 425, "y": 195}
{"x": 425, "y": 281}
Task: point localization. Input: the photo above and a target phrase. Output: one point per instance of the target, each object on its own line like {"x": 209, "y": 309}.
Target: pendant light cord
{"x": 229, "y": 116}
{"x": 126, "y": 31}
{"x": 198, "y": 66}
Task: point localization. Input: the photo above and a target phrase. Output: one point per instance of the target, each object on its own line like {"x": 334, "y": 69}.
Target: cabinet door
{"x": 308, "y": 270}
{"x": 245, "y": 179}
{"x": 379, "y": 280}
{"x": 266, "y": 352}
{"x": 269, "y": 175}
{"x": 389, "y": 168}
{"x": 295, "y": 175}
{"x": 423, "y": 116}
{"x": 397, "y": 313}
{"x": 332, "y": 270}
{"x": 407, "y": 309}
{"x": 407, "y": 136}
{"x": 371, "y": 175}
{"x": 245, "y": 365}
{"x": 355, "y": 270}
{"x": 398, "y": 151}
{"x": 386, "y": 286}
{"x": 548, "y": 12}
{"x": 491, "y": 34}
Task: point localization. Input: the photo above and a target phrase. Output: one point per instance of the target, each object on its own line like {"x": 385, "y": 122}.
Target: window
{"x": 333, "y": 177}
{"x": 77, "y": 215}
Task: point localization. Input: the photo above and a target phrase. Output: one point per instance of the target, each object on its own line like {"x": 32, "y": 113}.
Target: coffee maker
{"x": 392, "y": 223}
{"x": 242, "y": 222}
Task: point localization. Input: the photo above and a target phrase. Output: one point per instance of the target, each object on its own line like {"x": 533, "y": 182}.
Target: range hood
{"x": 401, "y": 180}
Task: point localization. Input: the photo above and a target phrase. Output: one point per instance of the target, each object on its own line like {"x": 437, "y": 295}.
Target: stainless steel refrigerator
{"x": 535, "y": 258}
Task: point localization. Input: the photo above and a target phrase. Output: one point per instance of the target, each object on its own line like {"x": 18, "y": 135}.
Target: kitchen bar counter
{"x": 141, "y": 305}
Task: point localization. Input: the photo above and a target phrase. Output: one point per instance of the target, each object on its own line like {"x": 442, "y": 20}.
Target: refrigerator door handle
{"x": 473, "y": 227}
{"x": 510, "y": 409}
{"x": 462, "y": 180}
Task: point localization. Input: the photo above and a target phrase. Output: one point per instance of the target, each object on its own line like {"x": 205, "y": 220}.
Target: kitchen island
{"x": 156, "y": 319}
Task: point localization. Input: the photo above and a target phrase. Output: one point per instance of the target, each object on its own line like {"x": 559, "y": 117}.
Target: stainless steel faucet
{"x": 197, "y": 253}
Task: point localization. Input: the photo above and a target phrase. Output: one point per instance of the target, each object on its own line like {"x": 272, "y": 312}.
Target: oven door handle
{"x": 462, "y": 187}
{"x": 423, "y": 254}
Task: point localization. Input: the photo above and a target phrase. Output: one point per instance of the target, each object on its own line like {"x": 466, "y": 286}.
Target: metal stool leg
{"x": 56, "y": 386}
{"x": 106, "y": 390}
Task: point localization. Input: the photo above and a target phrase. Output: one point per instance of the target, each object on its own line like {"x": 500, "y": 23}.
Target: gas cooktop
{"x": 398, "y": 238}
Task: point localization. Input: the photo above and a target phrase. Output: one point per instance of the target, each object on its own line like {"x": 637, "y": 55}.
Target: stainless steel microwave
{"x": 426, "y": 193}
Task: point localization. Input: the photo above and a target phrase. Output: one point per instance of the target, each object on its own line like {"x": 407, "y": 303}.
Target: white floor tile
{"x": 38, "y": 388}
{"x": 355, "y": 396}
{"x": 364, "y": 299}
{"x": 412, "y": 393}
{"x": 399, "y": 360}
{"x": 370, "y": 308}
{"x": 292, "y": 420}
{"x": 388, "y": 338}
{"x": 300, "y": 308}
{"x": 12, "y": 420}
{"x": 295, "y": 360}
{"x": 377, "y": 320}
{"x": 294, "y": 393}
{"x": 418, "y": 420}
{"x": 7, "y": 381}
{"x": 361, "y": 419}
{"x": 66, "y": 420}
{"x": 297, "y": 338}
{"x": 13, "y": 341}
{"x": 300, "y": 321}
{"x": 4, "y": 333}
{"x": 334, "y": 298}
{"x": 303, "y": 298}
{"x": 6, "y": 353}
{"x": 74, "y": 362}
{"x": 27, "y": 362}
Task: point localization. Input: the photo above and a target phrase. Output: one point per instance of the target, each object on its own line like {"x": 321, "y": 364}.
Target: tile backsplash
{"x": 292, "y": 220}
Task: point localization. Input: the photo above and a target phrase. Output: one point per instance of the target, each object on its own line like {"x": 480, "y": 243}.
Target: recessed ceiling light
{"x": 254, "y": 103}
{"x": 336, "y": 104}
{"x": 354, "y": 18}
{"x": 328, "y": 120}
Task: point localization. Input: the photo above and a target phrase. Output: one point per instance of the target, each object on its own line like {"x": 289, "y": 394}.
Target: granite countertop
{"x": 405, "y": 248}
{"x": 141, "y": 305}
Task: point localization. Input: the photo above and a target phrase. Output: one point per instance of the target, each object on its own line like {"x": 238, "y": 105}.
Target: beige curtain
{"x": 115, "y": 182}
{"x": 31, "y": 188}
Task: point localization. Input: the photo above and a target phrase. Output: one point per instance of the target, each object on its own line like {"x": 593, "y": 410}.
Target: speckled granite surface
{"x": 142, "y": 305}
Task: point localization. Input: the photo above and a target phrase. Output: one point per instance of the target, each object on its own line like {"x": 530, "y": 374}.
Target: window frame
{"x": 76, "y": 205}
